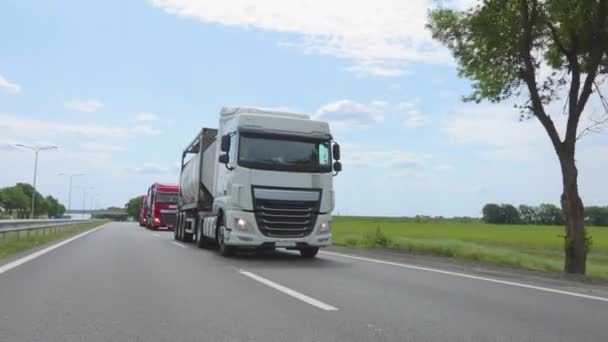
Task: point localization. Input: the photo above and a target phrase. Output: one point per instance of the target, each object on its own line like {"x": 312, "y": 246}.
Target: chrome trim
{"x": 286, "y": 195}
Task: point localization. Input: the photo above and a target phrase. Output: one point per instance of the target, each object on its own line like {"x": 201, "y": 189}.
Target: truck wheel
{"x": 186, "y": 237}
{"x": 200, "y": 239}
{"x": 309, "y": 252}
{"x": 176, "y": 228}
{"x": 225, "y": 251}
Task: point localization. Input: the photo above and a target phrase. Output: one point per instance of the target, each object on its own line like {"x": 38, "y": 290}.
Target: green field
{"x": 527, "y": 246}
{"x": 13, "y": 243}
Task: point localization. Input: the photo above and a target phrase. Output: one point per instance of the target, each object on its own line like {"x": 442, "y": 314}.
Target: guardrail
{"x": 19, "y": 227}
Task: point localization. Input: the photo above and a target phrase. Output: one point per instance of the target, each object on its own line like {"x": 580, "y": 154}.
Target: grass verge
{"x": 13, "y": 243}
{"x": 530, "y": 247}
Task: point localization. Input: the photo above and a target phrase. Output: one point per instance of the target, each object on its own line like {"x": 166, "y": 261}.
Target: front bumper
{"x": 253, "y": 238}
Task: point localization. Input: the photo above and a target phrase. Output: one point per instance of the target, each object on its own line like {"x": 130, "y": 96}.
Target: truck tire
{"x": 224, "y": 250}
{"x": 186, "y": 237}
{"x": 201, "y": 241}
{"x": 309, "y": 252}
{"x": 176, "y": 228}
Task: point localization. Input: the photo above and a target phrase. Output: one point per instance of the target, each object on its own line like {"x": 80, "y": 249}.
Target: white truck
{"x": 263, "y": 180}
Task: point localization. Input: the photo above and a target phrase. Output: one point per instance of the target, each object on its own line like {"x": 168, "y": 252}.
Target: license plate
{"x": 285, "y": 244}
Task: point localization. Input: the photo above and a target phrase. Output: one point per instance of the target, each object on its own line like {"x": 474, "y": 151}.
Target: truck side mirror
{"x": 336, "y": 151}
{"x": 337, "y": 166}
{"x": 224, "y": 159}
{"x": 225, "y": 143}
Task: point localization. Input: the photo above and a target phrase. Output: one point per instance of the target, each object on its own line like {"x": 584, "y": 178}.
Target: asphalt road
{"x": 124, "y": 283}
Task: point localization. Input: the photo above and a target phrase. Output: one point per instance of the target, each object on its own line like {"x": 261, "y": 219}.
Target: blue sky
{"x": 122, "y": 87}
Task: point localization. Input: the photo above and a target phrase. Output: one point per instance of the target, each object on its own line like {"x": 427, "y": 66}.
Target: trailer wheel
{"x": 176, "y": 227}
{"x": 200, "y": 239}
{"x": 186, "y": 237}
{"x": 225, "y": 251}
{"x": 309, "y": 252}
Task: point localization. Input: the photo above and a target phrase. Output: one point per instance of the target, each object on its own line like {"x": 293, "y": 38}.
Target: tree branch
{"x": 529, "y": 76}
{"x": 558, "y": 41}
{"x": 595, "y": 127}
{"x": 575, "y": 85}
{"x": 596, "y": 53}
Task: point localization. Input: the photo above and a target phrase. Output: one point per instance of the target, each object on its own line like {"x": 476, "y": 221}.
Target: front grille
{"x": 281, "y": 218}
{"x": 168, "y": 219}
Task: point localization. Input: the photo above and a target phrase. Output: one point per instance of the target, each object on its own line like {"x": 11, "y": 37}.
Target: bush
{"x": 378, "y": 238}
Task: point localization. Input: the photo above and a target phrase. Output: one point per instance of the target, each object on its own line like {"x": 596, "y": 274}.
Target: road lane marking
{"x": 289, "y": 291}
{"x": 34, "y": 255}
{"x": 156, "y": 235}
{"x": 178, "y": 244}
{"x": 469, "y": 276}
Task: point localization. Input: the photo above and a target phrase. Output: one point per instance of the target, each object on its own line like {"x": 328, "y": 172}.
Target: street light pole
{"x": 36, "y": 151}
{"x": 70, "y": 189}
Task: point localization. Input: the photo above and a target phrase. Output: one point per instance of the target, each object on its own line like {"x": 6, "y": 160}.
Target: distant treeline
{"x": 415, "y": 219}
{"x": 546, "y": 213}
{"x": 16, "y": 202}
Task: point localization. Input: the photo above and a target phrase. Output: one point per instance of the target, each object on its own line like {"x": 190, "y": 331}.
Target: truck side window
{"x": 323, "y": 154}
{"x": 233, "y": 148}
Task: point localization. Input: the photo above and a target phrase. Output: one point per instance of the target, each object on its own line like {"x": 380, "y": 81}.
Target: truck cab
{"x": 161, "y": 205}
{"x": 267, "y": 179}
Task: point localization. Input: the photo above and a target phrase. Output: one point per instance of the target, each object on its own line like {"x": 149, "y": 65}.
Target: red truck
{"x": 161, "y": 205}
{"x": 143, "y": 211}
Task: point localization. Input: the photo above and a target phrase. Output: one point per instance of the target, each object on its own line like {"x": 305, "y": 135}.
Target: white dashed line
{"x": 178, "y": 244}
{"x": 289, "y": 291}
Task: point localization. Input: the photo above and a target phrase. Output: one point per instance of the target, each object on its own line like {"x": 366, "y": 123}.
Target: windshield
{"x": 284, "y": 153}
{"x": 164, "y": 197}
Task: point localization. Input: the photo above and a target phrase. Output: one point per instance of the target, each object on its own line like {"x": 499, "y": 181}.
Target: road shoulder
{"x": 559, "y": 281}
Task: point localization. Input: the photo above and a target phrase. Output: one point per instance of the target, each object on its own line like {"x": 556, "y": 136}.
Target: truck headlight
{"x": 156, "y": 219}
{"x": 241, "y": 225}
{"x": 325, "y": 227}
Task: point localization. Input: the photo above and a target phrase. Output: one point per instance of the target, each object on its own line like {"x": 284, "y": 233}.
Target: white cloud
{"x": 102, "y": 147}
{"x": 350, "y": 113}
{"x": 493, "y": 126}
{"x": 155, "y": 169}
{"x": 146, "y": 130}
{"x": 19, "y": 126}
{"x": 385, "y": 158}
{"x": 413, "y": 117}
{"x": 9, "y": 87}
{"x": 80, "y": 105}
{"x": 371, "y": 33}
{"x": 376, "y": 68}
{"x": 146, "y": 117}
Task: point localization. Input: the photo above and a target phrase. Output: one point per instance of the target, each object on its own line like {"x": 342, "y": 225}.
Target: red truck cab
{"x": 143, "y": 211}
{"x": 161, "y": 205}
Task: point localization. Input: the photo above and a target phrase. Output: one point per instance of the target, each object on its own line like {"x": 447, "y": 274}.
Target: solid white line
{"x": 469, "y": 276}
{"x": 289, "y": 291}
{"x": 178, "y": 244}
{"x": 154, "y": 234}
{"x": 34, "y": 255}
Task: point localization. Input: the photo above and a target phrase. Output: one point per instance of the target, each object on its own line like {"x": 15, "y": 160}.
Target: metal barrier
{"x": 28, "y": 227}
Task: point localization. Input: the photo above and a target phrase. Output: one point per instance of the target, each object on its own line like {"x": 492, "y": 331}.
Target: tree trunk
{"x": 575, "y": 243}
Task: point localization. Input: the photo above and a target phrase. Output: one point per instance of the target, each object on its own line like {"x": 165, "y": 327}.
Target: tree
{"x": 550, "y": 214}
{"x": 502, "y": 44}
{"x": 54, "y": 207}
{"x": 596, "y": 216}
{"x": 492, "y": 213}
{"x": 527, "y": 214}
{"x": 41, "y": 204}
{"x": 510, "y": 214}
{"x": 14, "y": 199}
{"x": 132, "y": 207}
